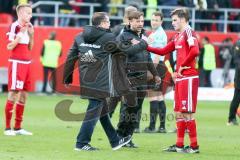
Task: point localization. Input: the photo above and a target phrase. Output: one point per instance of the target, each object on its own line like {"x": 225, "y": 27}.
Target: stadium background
{"x": 54, "y": 139}
{"x": 66, "y": 36}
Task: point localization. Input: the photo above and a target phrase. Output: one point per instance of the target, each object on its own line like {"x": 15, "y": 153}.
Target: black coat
{"x": 118, "y": 29}
{"x": 237, "y": 64}
{"x": 138, "y": 58}
{"x": 101, "y": 65}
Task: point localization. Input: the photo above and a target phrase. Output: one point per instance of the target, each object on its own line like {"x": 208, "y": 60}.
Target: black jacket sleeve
{"x": 151, "y": 66}
{"x": 109, "y": 43}
{"x": 127, "y": 47}
{"x": 237, "y": 58}
{"x": 70, "y": 63}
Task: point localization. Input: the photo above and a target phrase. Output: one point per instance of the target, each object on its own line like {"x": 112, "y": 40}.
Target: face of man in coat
{"x": 105, "y": 23}
{"x": 136, "y": 25}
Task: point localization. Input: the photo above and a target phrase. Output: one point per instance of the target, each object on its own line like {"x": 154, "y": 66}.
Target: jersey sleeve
{"x": 191, "y": 38}
{"x": 170, "y": 47}
{"x": 13, "y": 30}
{"x": 193, "y": 45}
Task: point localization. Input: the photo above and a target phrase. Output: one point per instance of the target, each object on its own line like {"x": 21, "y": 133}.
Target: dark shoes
{"x": 136, "y": 130}
{"x": 149, "y": 130}
{"x": 123, "y": 141}
{"x": 86, "y": 147}
{"x": 116, "y": 146}
{"x": 174, "y": 148}
{"x": 130, "y": 145}
{"x": 162, "y": 130}
{"x": 232, "y": 123}
{"x": 187, "y": 149}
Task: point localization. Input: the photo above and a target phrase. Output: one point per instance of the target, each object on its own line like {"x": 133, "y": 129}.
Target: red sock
{"x": 8, "y": 113}
{"x": 191, "y": 126}
{"x": 181, "y": 126}
{"x": 19, "y": 115}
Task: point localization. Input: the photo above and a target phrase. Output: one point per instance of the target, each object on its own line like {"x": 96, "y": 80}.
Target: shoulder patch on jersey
{"x": 12, "y": 32}
{"x": 191, "y": 41}
{"x": 189, "y": 32}
{"x": 190, "y": 38}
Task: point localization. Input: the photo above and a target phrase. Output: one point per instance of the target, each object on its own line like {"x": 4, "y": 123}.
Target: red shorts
{"x": 19, "y": 75}
{"x": 185, "y": 96}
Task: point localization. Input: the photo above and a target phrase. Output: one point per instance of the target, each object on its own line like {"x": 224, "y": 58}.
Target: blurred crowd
{"x": 215, "y": 55}
{"x": 206, "y": 9}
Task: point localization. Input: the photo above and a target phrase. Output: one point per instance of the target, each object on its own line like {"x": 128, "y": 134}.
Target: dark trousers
{"x": 234, "y": 105}
{"x": 207, "y": 78}
{"x": 46, "y": 71}
{"x": 112, "y": 104}
{"x": 97, "y": 109}
{"x": 157, "y": 108}
{"x": 130, "y": 115}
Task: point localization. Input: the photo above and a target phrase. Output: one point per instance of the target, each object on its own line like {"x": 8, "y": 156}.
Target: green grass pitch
{"x": 54, "y": 139}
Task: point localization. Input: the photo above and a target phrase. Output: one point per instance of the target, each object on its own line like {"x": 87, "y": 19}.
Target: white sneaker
{"x": 9, "y": 132}
{"x": 23, "y": 132}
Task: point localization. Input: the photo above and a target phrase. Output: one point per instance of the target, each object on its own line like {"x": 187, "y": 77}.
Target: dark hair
{"x": 128, "y": 10}
{"x": 135, "y": 15}
{"x": 134, "y": 4}
{"x": 158, "y": 13}
{"x": 22, "y": 6}
{"x": 206, "y": 38}
{"x": 181, "y": 13}
{"x": 229, "y": 39}
{"x": 52, "y": 35}
{"x": 98, "y": 17}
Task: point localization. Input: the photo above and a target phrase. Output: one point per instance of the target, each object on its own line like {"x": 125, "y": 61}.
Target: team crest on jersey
{"x": 191, "y": 41}
{"x": 184, "y": 102}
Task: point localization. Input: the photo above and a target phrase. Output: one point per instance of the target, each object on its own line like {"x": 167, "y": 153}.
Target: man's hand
{"x": 157, "y": 80}
{"x": 144, "y": 38}
{"x": 150, "y": 40}
{"x": 67, "y": 85}
{"x": 174, "y": 76}
{"x": 181, "y": 69}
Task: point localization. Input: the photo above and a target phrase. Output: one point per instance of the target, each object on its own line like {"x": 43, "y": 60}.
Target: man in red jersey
{"x": 187, "y": 81}
{"x": 20, "y": 38}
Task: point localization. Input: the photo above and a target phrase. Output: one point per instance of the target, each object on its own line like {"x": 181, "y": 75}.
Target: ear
{"x": 100, "y": 25}
{"x": 182, "y": 21}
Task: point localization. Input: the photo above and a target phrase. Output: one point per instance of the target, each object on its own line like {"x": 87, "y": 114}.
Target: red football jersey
{"x": 21, "y": 51}
{"x": 183, "y": 42}
{"x": 186, "y": 46}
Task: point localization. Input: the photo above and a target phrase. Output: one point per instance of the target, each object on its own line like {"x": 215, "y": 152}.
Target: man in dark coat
{"x": 138, "y": 63}
{"x": 95, "y": 50}
{"x": 236, "y": 98}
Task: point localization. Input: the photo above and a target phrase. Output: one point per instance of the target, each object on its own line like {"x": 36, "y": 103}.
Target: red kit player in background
{"x": 187, "y": 80}
{"x": 20, "y": 38}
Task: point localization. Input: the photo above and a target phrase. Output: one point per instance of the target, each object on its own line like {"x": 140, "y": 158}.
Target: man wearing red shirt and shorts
{"x": 20, "y": 38}
{"x": 186, "y": 82}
